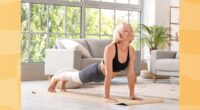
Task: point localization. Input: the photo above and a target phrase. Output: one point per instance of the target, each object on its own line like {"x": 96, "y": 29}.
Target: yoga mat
{"x": 128, "y": 102}
{"x": 124, "y": 101}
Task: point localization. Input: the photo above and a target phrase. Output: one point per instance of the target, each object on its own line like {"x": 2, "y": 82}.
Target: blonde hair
{"x": 117, "y": 32}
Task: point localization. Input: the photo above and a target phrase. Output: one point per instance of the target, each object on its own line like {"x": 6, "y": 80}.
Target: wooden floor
{"x": 32, "y": 101}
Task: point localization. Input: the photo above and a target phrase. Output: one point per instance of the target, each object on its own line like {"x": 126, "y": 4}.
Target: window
{"x": 92, "y": 22}
{"x": 24, "y": 17}
{"x": 134, "y": 19}
{"x": 38, "y": 18}
{"x": 56, "y": 19}
{"x": 107, "y": 23}
{"x": 135, "y": 2}
{"x": 73, "y": 22}
{"x": 37, "y": 47}
{"x": 122, "y": 1}
{"x": 42, "y": 22}
{"x": 52, "y": 39}
{"x": 121, "y": 16}
{"x": 108, "y": 1}
{"x": 74, "y": 0}
{"x": 24, "y": 47}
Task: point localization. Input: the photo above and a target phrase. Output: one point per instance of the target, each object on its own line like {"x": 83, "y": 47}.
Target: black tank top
{"x": 117, "y": 66}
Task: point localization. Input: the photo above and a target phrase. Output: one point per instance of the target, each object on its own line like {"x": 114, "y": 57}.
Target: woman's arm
{"x": 108, "y": 56}
{"x": 131, "y": 73}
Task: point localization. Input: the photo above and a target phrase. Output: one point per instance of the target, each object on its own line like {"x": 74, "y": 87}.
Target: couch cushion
{"x": 83, "y": 42}
{"x": 167, "y": 73}
{"x": 97, "y": 46}
{"x": 88, "y": 61}
{"x": 59, "y": 44}
{"x": 70, "y": 44}
{"x": 167, "y": 65}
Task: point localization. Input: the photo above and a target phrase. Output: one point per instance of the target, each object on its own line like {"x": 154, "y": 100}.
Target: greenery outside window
{"x": 43, "y": 21}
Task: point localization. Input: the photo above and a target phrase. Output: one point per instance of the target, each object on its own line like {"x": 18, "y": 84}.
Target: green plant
{"x": 155, "y": 37}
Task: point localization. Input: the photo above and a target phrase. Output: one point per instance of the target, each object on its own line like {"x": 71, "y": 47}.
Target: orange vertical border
{"x": 189, "y": 55}
{"x": 10, "y": 55}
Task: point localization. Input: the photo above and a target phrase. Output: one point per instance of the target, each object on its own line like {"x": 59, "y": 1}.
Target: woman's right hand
{"x": 111, "y": 100}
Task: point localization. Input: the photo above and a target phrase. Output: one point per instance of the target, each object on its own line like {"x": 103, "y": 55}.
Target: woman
{"x": 118, "y": 56}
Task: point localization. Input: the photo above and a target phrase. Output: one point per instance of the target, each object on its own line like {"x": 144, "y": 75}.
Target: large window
{"x": 107, "y": 23}
{"x": 43, "y": 22}
{"x": 92, "y": 23}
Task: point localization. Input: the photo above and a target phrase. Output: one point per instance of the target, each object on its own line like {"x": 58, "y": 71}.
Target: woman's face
{"x": 127, "y": 33}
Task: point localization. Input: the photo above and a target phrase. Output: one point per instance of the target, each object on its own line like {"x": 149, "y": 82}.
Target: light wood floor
{"x": 32, "y": 101}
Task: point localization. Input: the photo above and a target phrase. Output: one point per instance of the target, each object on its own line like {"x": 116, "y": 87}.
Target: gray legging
{"x": 91, "y": 73}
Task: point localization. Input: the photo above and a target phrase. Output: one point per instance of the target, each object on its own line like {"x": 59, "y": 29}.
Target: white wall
{"x": 175, "y": 44}
{"x": 162, "y": 12}
{"x": 155, "y": 12}
{"x": 149, "y": 12}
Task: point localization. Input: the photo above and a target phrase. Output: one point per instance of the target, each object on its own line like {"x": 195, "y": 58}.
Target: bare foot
{"x": 62, "y": 88}
{"x": 52, "y": 85}
{"x": 136, "y": 98}
{"x": 110, "y": 100}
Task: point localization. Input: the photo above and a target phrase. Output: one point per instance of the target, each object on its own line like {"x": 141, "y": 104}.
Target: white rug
{"x": 168, "y": 91}
{"x": 167, "y": 88}
{"x": 147, "y": 90}
{"x": 31, "y": 101}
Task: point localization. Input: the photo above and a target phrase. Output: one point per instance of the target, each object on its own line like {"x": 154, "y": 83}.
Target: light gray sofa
{"x": 58, "y": 58}
{"x": 165, "y": 63}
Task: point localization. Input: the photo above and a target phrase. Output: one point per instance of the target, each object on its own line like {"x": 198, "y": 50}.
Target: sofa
{"x": 60, "y": 57}
{"x": 164, "y": 63}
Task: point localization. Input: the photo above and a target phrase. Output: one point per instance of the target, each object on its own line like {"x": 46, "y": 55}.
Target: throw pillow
{"x": 58, "y": 44}
{"x": 70, "y": 44}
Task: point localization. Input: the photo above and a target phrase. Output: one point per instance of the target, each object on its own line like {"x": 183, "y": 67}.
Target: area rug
{"x": 166, "y": 89}
{"x": 154, "y": 90}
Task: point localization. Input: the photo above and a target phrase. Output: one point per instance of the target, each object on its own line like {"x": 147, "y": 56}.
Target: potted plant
{"x": 155, "y": 37}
